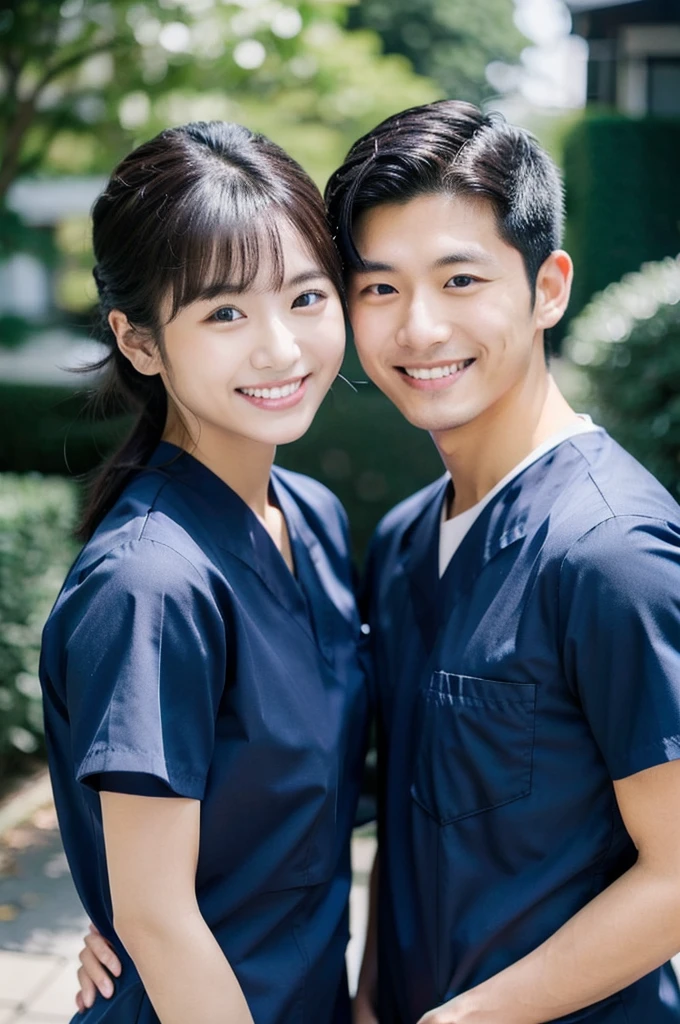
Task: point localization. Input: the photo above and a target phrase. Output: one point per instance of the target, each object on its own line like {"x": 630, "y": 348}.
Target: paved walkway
{"x": 42, "y": 922}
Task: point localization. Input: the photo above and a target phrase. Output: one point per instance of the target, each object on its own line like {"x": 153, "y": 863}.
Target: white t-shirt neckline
{"x": 452, "y": 531}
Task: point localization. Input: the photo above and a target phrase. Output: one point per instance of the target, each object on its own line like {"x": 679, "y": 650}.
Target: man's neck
{"x": 481, "y": 453}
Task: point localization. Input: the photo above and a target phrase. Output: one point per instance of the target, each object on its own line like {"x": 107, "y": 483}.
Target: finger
{"x": 87, "y": 992}
{"x": 79, "y": 1003}
{"x": 97, "y": 974}
{"x": 102, "y": 950}
{"x": 93, "y": 929}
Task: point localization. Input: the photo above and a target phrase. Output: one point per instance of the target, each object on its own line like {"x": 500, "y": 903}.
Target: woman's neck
{"x": 243, "y": 464}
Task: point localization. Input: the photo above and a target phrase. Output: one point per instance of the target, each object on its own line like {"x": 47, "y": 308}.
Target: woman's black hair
{"x": 453, "y": 148}
{"x": 195, "y": 207}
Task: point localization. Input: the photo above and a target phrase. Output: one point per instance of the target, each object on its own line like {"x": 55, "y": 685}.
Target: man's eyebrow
{"x": 371, "y": 267}
{"x": 463, "y": 256}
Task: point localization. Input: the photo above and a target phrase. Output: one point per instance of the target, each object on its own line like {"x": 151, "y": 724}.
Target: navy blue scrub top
{"x": 543, "y": 665}
{"x": 181, "y": 647}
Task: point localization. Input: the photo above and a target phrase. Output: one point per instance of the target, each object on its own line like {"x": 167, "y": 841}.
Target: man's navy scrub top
{"x": 183, "y": 651}
{"x": 543, "y": 665}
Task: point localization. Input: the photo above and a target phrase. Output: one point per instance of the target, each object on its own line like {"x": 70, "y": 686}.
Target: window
{"x": 663, "y": 87}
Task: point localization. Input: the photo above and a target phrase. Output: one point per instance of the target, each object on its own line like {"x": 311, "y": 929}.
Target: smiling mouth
{"x": 275, "y": 391}
{"x": 435, "y": 372}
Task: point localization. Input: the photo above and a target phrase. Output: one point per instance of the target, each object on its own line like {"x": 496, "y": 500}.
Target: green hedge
{"x": 359, "y": 445}
{"x": 36, "y": 519}
{"x": 623, "y": 200}
{"x": 628, "y": 341}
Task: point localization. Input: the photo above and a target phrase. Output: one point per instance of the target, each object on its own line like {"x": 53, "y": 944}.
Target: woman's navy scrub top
{"x": 543, "y": 665}
{"x": 183, "y": 651}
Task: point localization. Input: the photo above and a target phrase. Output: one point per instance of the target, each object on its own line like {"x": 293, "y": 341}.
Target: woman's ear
{"x": 139, "y": 348}
{"x": 553, "y": 288}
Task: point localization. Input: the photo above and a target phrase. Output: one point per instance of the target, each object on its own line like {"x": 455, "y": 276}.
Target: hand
{"x": 449, "y": 1013}
{"x": 468, "y": 1008}
{"x": 97, "y": 959}
{"x": 362, "y": 1010}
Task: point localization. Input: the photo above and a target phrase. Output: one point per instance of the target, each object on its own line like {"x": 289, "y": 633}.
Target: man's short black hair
{"x": 452, "y": 148}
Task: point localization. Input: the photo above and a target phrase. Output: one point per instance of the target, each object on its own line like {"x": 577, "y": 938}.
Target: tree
{"x": 451, "y": 42}
{"x": 84, "y": 80}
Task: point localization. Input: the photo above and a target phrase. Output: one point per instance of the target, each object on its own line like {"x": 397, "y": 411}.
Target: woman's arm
{"x": 152, "y": 853}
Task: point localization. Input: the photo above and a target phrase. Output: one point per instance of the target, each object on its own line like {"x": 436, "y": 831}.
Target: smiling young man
{"x": 524, "y": 611}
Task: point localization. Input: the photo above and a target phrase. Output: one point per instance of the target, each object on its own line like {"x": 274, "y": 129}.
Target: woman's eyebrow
{"x": 212, "y": 291}
{"x": 313, "y": 274}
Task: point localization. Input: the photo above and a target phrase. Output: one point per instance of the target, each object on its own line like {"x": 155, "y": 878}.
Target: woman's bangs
{"x": 215, "y": 251}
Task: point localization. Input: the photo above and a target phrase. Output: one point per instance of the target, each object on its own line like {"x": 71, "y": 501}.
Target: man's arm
{"x": 624, "y": 933}
{"x": 367, "y": 989}
{"x": 151, "y": 853}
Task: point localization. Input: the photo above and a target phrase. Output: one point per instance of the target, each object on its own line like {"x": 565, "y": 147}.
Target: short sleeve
{"x": 145, "y": 668}
{"x": 620, "y": 614}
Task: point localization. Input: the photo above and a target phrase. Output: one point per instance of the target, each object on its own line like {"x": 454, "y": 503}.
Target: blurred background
{"x": 83, "y": 81}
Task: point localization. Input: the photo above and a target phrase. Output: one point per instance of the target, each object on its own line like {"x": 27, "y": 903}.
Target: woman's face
{"x": 257, "y": 364}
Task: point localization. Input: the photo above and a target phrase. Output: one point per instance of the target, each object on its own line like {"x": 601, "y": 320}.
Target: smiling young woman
{"x": 205, "y": 706}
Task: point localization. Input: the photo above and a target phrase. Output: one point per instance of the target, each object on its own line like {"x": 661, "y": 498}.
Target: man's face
{"x": 443, "y": 317}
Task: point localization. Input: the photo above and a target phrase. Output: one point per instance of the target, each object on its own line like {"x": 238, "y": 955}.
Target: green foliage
{"x": 452, "y": 43}
{"x": 623, "y": 203}
{"x": 14, "y": 330}
{"x": 15, "y": 236}
{"x": 45, "y": 429}
{"x": 359, "y": 445}
{"x": 88, "y": 80}
{"x": 628, "y": 341}
{"x": 36, "y": 517}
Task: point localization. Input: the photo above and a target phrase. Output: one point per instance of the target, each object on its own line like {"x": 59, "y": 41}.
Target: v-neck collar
{"x": 516, "y": 511}
{"x": 234, "y": 527}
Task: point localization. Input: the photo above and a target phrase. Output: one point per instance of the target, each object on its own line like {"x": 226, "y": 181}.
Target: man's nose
{"x": 423, "y": 327}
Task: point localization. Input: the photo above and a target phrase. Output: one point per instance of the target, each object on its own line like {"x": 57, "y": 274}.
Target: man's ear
{"x": 553, "y": 287}
{"x": 139, "y": 348}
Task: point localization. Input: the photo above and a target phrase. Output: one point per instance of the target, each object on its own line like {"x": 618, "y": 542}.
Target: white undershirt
{"x": 452, "y": 531}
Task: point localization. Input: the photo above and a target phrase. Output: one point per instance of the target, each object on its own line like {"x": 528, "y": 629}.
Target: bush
{"x": 623, "y": 203}
{"x": 45, "y": 429}
{"x": 36, "y": 519}
{"x": 628, "y": 341}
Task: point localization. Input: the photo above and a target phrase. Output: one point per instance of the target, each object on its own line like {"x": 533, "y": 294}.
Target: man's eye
{"x": 381, "y": 289}
{"x": 460, "y": 281}
{"x": 227, "y": 315}
{"x": 308, "y": 299}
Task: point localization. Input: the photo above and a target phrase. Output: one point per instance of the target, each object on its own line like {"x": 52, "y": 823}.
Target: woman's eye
{"x": 308, "y": 299}
{"x": 381, "y": 289}
{"x": 227, "y": 315}
{"x": 460, "y": 281}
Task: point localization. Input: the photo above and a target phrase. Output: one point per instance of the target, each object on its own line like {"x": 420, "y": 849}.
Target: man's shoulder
{"x": 624, "y": 485}
{"x": 615, "y": 515}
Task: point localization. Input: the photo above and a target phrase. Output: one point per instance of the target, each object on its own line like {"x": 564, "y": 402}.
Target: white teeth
{"x": 282, "y": 392}
{"x": 435, "y": 372}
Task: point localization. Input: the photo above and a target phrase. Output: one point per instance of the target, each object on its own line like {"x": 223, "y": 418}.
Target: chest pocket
{"x": 475, "y": 745}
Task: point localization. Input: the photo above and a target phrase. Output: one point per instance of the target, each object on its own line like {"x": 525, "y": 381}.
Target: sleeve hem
{"x": 650, "y": 755}
{"x": 183, "y": 784}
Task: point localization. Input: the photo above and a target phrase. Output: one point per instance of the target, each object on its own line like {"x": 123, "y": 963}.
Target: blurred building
{"x": 26, "y": 283}
{"x": 634, "y": 54}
